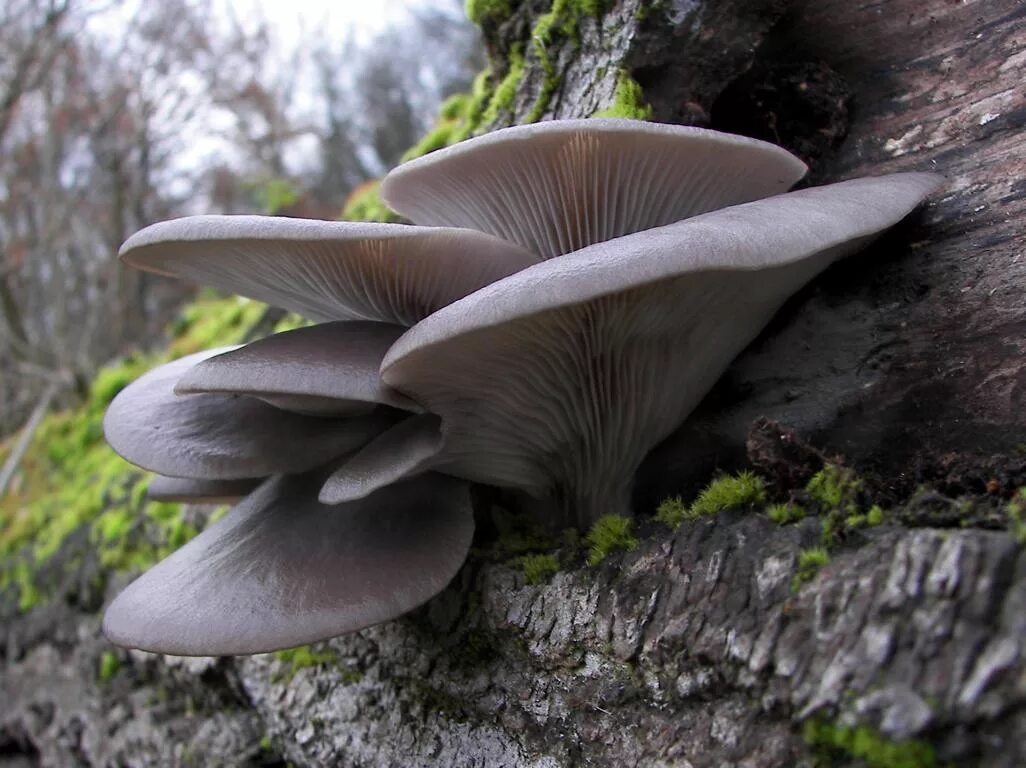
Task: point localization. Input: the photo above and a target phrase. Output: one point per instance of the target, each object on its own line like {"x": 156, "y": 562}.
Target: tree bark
{"x": 700, "y": 648}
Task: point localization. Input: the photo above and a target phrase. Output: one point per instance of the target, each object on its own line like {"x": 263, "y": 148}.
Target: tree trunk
{"x": 701, "y": 647}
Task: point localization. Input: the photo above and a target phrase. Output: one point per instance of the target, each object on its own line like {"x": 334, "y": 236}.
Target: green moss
{"x": 875, "y": 515}
{"x": 671, "y": 512}
{"x": 809, "y": 562}
{"x": 833, "y": 487}
{"x": 559, "y": 23}
{"x": 109, "y": 666}
{"x": 784, "y": 514}
{"x": 835, "y": 490}
{"x": 744, "y": 489}
{"x": 722, "y": 494}
{"x": 290, "y": 322}
{"x": 537, "y": 568}
{"x": 833, "y": 741}
{"x": 1016, "y": 511}
{"x": 275, "y": 195}
{"x": 72, "y": 480}
{"x": 364, "y": 204}
{"x": 488, "y": 12}
{"x": 628, "y": 100}
{"x": 303, "y": 657}
{"x": 506, "y": 91}
{"x": 610, "y": 533}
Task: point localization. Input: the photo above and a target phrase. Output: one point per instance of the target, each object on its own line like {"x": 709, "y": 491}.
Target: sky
{"x": 338, "y": 15}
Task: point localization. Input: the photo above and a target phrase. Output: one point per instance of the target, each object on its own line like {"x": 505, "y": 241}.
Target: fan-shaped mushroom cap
{"x": 327, "y": 270}
{"x": 222, "y": 437}
{"x": 331, "y": 369}
{"x": 406, "y": 449}
{"x": 555, "y": 187}
{"x": 281, "y": 569}
{"x": 163, "y": 488}
{"x": 564, "y": 375}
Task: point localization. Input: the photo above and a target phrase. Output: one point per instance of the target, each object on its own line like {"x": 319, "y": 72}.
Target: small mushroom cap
{"x": 567, "y": 373}
{"x": 331, "y": 369}
{"x": 559, "y": 186}
{"x": 327, "y": 270}
{"x": 281, "y": 569}
{"x": 222, "y": 437}
{"x": 190, "y": 491}
{"x": 406, "y": 449}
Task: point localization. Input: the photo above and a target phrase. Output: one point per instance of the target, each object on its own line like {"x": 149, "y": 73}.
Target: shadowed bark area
{"x": 699, "y": 648}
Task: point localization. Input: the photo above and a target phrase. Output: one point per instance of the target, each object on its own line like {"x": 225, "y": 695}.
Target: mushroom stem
{"x": 607, "y": 493}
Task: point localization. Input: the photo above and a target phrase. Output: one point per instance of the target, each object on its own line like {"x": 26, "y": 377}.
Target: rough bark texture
{"x": 695, "y": 649}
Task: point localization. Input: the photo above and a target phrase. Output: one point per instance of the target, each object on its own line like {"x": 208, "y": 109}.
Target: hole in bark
{"x": 803, "y": 106}
{"x": 16, "y": 749}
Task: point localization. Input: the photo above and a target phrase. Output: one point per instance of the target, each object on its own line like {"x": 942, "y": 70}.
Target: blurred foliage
{"x": 70, "y": 479}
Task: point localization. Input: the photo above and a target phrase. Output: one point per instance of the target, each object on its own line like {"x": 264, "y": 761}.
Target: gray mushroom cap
{"x": 222, "y": 437}
{"x": 191, "y": 491}
{"x": 331, "y": 369}
{"x": 562, "y": 377}
{"x": 327, "y": 270}
{"x": 281, "y": 569}
{"x": 410, "y": 447}
{"x": 559, "y": 186}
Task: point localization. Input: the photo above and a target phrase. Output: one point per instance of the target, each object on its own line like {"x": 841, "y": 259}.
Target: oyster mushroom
{"x": 558, "y": 186}
{"x": 547, "y": 352}
{"x": 560, "y": 379}
{"x": 282, "y": 569}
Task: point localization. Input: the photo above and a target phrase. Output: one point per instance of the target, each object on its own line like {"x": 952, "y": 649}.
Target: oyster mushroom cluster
{"x": 566, "y": 294}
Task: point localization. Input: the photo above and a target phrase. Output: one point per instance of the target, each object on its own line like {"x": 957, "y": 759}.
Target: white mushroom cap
{"x": 331, "y": 369}
{"x": 280, "y": 569}
{"x": 563, "y": 376}
{"x": 556, "y": 187}
{"x": 222, "y": 437}
{"x": 327, "y": 270}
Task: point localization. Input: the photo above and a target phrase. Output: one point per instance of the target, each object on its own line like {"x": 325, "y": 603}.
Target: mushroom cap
{"x": 327, "y": 270}
{"x": 222, "y": 437}
{"x": 559, "y": 186}
{"x": 565, "y": 374}
{"x": 406, "y": 449}
{"x": 191, "y": 491}
{"x": 331, "y": 369}
{"x": 281, "y": 569}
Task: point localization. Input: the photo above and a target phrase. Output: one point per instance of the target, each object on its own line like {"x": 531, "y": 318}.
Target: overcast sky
{"x": 340, "y": 15}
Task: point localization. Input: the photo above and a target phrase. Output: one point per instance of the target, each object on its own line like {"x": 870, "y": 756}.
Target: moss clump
{"x": 671, "y": 512}
{"x": 784, "y": 514}
{"x": 538, "y": 568}
{"x": 835, "y": 490}
{"x": 488, "y": 12}
{"x": 290, "y": 323}
{"x": 506, "y": 91}
{"x": 303, "y": 657}
{"x": 809, "y": 562}
{"x": 834, "y": 487}
{"x": 560, "y": 22}
{"x": 1016, "y": 511}
{"x": 460, "y": 117}
{"x": 364, "y": 204}
{"x": 628, "y": 100}
{"x": 275, "y": 195}
{"x": 109, "y": 666}
{"x": 611, "y": 533}
{"x": 71, "y": 479}
{"x": 722, "y": 494}
{"x": 832, "y": 741}
{"x": 875, "y": 515}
